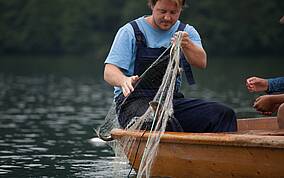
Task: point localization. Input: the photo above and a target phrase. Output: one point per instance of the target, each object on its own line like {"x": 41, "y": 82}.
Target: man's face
{"x": 165, "y": 14}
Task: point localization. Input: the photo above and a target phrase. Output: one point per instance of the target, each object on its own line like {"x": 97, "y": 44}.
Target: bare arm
{"x": 115, "y": 77}
{"x": 268, "y": 103}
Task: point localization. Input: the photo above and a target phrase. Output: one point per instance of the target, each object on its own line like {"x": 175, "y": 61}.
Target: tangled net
{"x": 151, "y": 113}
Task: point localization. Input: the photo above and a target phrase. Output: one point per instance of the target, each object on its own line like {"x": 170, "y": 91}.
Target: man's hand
{"x": 194, "y": 54}
{"x": 185, "y": 40}
{"x": 128, "y": 83}
{"x": 115, "y": 77}
{"x": 266, "y": 104}
{"x": 256, "y": 84}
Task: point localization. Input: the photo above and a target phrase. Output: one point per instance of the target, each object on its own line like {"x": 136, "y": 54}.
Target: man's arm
{"x": 195, "y": 55}
{"x": 268, "y": 103}
{"x": 115, "y": 77}
{"x": 276, "y": 85}
{"x": 256, "y": 84}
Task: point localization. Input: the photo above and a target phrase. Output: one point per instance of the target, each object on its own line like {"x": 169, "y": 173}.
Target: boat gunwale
{"x": 237, "y": 139}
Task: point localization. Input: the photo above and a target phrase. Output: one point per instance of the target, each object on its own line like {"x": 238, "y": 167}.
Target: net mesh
{"x": 149, "y": 107}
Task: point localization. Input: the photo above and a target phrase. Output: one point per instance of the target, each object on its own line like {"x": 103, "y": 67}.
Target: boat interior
{"x": 260, "y": 126}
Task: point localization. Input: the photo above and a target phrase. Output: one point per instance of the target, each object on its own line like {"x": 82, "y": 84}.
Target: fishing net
{"x": 149, "y": 107}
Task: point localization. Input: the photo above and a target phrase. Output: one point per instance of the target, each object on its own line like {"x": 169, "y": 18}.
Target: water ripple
{"x": 47, "y": 121}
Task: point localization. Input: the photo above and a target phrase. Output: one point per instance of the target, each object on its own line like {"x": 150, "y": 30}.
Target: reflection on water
{"x": 48, "y": 112}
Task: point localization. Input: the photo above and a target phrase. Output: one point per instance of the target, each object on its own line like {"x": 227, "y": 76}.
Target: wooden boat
{"x": 256, "y": 150}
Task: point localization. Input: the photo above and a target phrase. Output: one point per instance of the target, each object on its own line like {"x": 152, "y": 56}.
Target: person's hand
{"x": 127, "y": 84}
{"x": 185, "y": 42}
{"x": 256, "y": 84}
{"x": 265, "y": 104}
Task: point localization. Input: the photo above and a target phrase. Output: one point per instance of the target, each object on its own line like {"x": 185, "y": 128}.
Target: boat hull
{"x": 243, "y": 154}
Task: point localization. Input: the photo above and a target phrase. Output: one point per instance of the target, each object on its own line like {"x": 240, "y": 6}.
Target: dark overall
{"x": 193, "y": 115}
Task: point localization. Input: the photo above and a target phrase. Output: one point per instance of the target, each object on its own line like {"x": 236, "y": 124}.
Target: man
{"x": 153, "y": 34}
{"x": 268, "y": 104}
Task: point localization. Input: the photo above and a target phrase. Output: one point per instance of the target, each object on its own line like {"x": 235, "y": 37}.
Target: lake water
{"x": 49, "y": 107}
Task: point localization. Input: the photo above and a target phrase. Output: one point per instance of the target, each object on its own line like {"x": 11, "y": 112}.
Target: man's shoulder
{"x": 188, "y": 27}
{"x": 191, "y": 29}
{"x": 125, "y": 31}
{"x": 126, "y": 27}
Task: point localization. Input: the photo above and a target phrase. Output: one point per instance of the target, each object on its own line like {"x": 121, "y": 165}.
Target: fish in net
{"x": 149, "y": 107}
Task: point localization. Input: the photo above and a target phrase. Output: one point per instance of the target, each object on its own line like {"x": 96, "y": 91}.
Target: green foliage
{"x": 70, "y": 26}
{"x": 244, "y": 26}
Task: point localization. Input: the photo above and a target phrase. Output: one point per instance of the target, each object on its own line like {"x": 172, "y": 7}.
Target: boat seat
{"x": 265, "y": 123}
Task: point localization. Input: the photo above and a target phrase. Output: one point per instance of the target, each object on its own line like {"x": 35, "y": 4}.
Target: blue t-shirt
{"x": 123, "y": 51}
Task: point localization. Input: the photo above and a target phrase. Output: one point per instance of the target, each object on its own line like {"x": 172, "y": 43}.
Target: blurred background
{"x": 88, "y": 27}
{"x": 52, "y": 93}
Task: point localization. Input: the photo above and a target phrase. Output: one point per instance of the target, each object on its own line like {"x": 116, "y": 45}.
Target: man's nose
{"x": 167, "y": 17}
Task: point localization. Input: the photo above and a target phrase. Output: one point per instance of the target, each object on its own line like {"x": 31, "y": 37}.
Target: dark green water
{"x": 49, "y": 107}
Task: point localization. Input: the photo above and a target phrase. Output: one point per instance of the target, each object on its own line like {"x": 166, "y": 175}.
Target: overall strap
{"x": 181, "y": 27}
{"x": 141, "y": 44}
{"x": 185, "y": 65}
{"x": 140, "y": 38}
